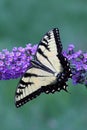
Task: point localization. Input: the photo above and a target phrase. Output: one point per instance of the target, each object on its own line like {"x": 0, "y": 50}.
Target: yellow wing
{"x": 49, "y": 72}
{"x": 49, "y": 50}
{"x": 32, "y": 84}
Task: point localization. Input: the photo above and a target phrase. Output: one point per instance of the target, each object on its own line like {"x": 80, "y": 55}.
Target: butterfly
{"x": 49, "y": 72}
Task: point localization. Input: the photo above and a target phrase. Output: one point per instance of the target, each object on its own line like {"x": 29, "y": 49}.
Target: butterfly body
{"x": 49, "y": 72}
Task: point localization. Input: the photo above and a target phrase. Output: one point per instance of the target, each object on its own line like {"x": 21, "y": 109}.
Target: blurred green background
{"x": 24, "y": 21}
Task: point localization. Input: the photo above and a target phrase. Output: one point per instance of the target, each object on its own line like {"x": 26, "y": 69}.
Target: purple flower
{"x": 78, "y": 63}
{"x": 14, "y": 64}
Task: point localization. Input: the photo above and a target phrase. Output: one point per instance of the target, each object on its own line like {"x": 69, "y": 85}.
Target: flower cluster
{"x": 78, "y": 62}
{"x": 14, "y": 64}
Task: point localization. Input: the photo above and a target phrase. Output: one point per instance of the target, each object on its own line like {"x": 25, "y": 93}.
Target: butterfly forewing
{"x": 31, "y": 84}
{"x": 49, "y": 49}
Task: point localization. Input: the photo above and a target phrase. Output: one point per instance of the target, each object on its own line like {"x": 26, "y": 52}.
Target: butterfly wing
{"x": 49, "y": 54}
{"x": 32, "y": 84}
{"x": 49, "y": 72}
{"x": 49, "y": 49}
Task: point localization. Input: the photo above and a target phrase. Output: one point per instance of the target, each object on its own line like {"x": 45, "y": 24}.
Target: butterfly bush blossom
{"x": 14, "y": 64}
{"x": 78, "y": 63}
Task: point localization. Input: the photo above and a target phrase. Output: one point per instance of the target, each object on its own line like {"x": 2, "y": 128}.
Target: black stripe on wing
{"x": 46, "y": 39}
{"x": 30, "y": 75}
{"x": 47, "y": 58}
{"x": 45, "y": 45}
{"x": 28, "y": 98}
{"x": 41, "y": 66}
{"x": 57, "y": 39}
{"x": 24, "y": 84}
